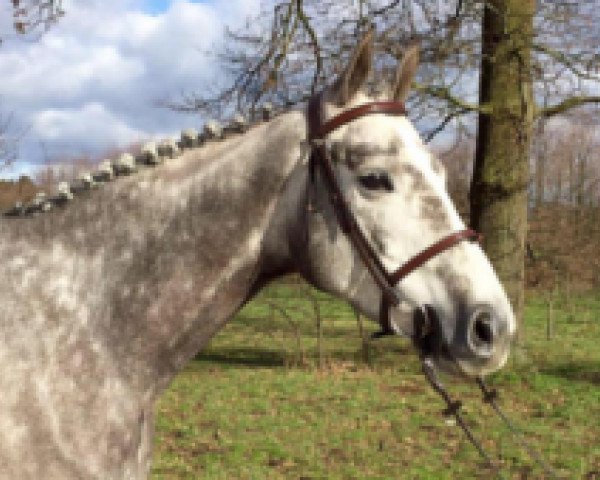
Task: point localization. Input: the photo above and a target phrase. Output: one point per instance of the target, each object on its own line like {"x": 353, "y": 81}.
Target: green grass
{"x": 256, "y": 404}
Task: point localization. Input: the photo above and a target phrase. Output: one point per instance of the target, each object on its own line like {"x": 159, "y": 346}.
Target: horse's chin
{"x": 480, "y": 371}
{"x": 464, "y": 369}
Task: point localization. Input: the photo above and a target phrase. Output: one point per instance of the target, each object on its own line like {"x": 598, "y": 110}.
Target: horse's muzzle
{"x": 476, "y": 345}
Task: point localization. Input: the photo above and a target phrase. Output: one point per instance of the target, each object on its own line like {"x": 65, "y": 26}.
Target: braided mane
{"x": 150, "y": 155}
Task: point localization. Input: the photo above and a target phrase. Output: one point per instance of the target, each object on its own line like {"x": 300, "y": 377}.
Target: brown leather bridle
{"x": 321, "y": 158}
{"x": 427, "y": 329}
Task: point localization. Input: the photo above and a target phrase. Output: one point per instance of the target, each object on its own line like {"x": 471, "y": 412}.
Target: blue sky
{"x": 92, "y": 83}
{"x": 158, "y": 6}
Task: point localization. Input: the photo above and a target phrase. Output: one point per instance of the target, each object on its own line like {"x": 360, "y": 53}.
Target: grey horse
{"x": 104, "y": 301}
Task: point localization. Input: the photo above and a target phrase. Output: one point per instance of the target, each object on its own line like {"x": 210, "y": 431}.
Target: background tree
{"x": 525, "y": 50}
{"x": 498, "y": 198}
{"x": 8, "y": 141}
{"x": 30, "y": 17}
{"x": 500, "y": 181}
{"x": 35, "y": 16}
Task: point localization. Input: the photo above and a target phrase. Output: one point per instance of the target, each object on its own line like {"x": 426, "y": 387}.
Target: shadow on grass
{"x": 248, "y": 357}
{"x": 253, "y": 357}
{"x": 578, "y": 371}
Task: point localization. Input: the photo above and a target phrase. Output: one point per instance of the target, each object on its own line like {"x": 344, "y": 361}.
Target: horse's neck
{"x": 170, "y": 255}
{"x": 212, "y": 254}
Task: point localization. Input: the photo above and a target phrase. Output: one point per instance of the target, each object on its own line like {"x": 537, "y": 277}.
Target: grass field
{"x": 262, "y": 403}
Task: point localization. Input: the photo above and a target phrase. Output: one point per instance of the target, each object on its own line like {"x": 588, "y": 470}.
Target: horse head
{"x": 393, "y": 190}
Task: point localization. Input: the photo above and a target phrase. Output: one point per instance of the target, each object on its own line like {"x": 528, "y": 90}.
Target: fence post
{"x": 364, "y": 340}
{"x": 550, "y": 317}
{"x": 319, "y": 321}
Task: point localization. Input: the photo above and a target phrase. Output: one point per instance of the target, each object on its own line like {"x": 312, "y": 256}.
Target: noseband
{"x": 321, "y": 158}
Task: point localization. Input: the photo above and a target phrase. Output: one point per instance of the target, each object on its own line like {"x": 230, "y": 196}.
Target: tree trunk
{"x": 501, "y": 174}
{"x": 572, "y": 179}
{"x": 581, "y": 180}
{"x": 540, "y": 164}
{"x": 559, "y": 185}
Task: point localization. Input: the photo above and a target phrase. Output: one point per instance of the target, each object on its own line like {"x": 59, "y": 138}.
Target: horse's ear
{"x": 405, "y": 73}
{"x": 356, "y": 72}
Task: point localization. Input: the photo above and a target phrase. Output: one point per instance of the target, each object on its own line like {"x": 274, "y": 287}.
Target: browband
{"x": 388, "y": 108}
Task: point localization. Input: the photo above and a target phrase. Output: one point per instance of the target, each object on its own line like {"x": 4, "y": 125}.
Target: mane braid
{"x": 150, "y": 155}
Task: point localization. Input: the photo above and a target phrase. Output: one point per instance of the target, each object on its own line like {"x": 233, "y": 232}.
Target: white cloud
{"x": 59, "y": 71}
{"x": 90, "y": 123}
{"x": 93, "y": 80}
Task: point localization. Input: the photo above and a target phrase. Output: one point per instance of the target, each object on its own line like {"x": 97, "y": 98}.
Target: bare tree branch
{"x": 444, "y": 123}
{"x": 29, "y": 16}
{"x": 443, "y": 93}
{"x": 572, "y": 62}
{"x": 296, "y": 46}
{"x": 315, "y": 44}
{"x": 568, "y": 104}
{"x": 10, "y": 137}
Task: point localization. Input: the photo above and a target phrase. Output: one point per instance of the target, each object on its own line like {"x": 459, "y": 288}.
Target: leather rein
{"x": 320, "y": 158}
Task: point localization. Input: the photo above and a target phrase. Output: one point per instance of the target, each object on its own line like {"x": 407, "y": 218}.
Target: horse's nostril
{"x": 483, "y": 329}
{"x": 482, "y": 332}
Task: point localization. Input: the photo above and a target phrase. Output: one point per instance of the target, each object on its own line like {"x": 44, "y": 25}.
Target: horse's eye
{"x": 376, "y": 181}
